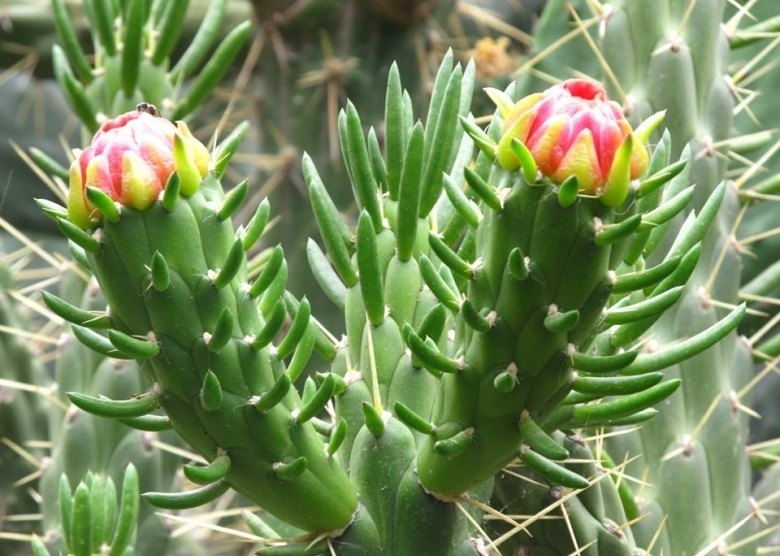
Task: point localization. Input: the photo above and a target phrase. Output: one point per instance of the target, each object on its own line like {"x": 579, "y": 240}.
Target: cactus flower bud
{"x": 573, "y": 129}
{"x": 130, "y": 159}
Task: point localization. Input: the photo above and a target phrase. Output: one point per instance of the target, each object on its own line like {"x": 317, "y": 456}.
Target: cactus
{"x": 674, "y": 56}
{"x": 95, "y": 517}
{"x": 463, "y": 315}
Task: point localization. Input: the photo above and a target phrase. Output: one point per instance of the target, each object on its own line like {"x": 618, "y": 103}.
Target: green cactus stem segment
{"x": 272, "y": 327}
{"x": 205, "y": 357}
{"x": 626, "y": 405}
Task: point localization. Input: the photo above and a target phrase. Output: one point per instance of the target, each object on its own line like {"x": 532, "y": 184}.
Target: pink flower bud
{"x": 130, "y": 159}
{"x": 573, "y": 129}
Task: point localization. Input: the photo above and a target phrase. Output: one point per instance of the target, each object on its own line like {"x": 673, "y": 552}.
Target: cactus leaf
{"x": 302, "y": 354}
{"x": 168, "y": 30}
{"x": 286, "y": 471}
{"x": 272, "y": 327}
{"x": 186, "y": 500}
{"x": 83, "y": 239}
{"x": 505, "y": 381}
{"x": 377, "y": 162}
{"x": 133, "y": 347}
{"x": 52, "y": 209}
{"x": 224, "y": 152}
{"x": 687, "y": 348}
{"x": 269, "y": 273}
{"x": 326, "y": 276}
{"x": 527, "y": 163}
{"x": 410, "y": 186}
{"x": 371, "y": 282}
{"x": 70, "y": 42}
{"x": 117, "y": 409}
{"x": 428, "y": 353}
{"x": 98, "y": 343}
{"x": 658, "y": 179}
{"x": 331, "y": 226}
{"x": 211, "y": 392}
{"x": 503, "y": 101}
{"x": 337, "y": 436}
{"x": 256, "y": 226}
{"x": 81, "y": 529}
{"x": 161, "y": 274}
{"x": 267, "y": 401}
{"x": 616, "y": 189}
{"x": 231, "y": 266}
{"x": 75, "y": 315}
{"x": 552, "y": 471}
{"x": 38, "y": 547}
{"x": 317, "y": 402}
{"x": 222, "y": 332}
{"x": 639, "y": 280}
{"x": 649, "y": 307}
{"x": 486, "y": 192}
{"x": 624, "y": 406}
{"x": 65, "y": 496}
{"x": 615, "y": 385}
{"x": 233, "y": 200}
{"x": 568, "y": 191}
{"x": 450, "y": 257}
{"x": 598, "y": 364}
{"x": 104, "y": 204}
{"x": 473, "y": 318}
{"x": 297, "y": 330}
{"x": 668, "y": 210}
{"x": 455, "y": 444}
{"x": 539, "y": 441}
{"x": 362, "y": 176}
{"x": 558, "y": 322}
{"x": 481, "y": 139}
{"x": 373, "y": 420}
{"x": 207, "y": 474}
{"x": 612, "y": 233}
{"x": 132, "y": 45}
{"x": 206, "y": 35}
{"x": 438, "y": 286}
{"x": 150, "y": 423}
{"x": 518, "y": 265}
{"x": 464, "y": 206}
{"x": 211, "y": 74}
{"x": 171, "y": 192}
{"x": 409, "y": 418}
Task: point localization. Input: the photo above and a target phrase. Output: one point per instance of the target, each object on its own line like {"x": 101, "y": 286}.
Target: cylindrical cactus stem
{"x": 173, "y": 272}
{"x": 560, "y": 218}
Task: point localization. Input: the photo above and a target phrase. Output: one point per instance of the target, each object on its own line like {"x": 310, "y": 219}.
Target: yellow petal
{"x": 521, "y": 106}
{"x": 198, "y": 150}
{"x": 140, "y": 185}
{"x": 78, "y": 208}
{"x": 505, "y": 156}
{"x": 581, "y": 161}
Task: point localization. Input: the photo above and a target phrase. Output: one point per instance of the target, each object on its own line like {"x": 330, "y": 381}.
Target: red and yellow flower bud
{"x": 572, "y": 129}
{"x": 130, "y": 159}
